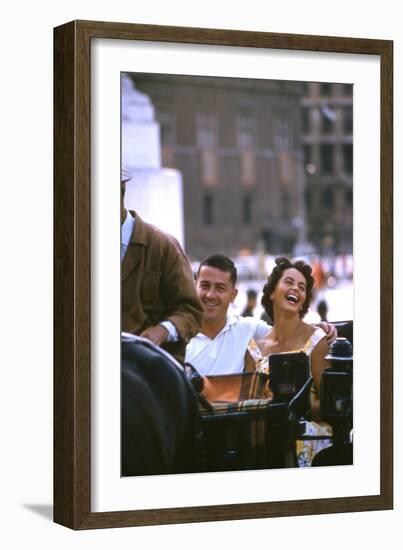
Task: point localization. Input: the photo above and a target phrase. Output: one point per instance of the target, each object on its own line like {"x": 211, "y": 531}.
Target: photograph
{"x": 236, "y": 274}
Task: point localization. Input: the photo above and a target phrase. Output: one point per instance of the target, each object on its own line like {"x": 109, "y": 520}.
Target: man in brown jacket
{"x": 159, "y": 300}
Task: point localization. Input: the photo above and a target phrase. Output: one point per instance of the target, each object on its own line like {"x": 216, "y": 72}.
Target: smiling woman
{"x": 289, "y": 273}
{"x": 286, "y": 298}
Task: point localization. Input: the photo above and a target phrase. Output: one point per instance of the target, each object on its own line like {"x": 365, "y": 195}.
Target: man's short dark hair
{"x": 221, "y": 262}
{"x": 251, "y": 293}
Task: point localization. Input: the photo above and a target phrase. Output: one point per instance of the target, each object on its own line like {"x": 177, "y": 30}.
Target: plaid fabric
{"x": 255, "y": 385}
{"x": 257, "y": 410}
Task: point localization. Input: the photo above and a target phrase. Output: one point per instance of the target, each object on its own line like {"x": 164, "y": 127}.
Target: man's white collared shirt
{"x": 126, "y": 233}
{"x": 225, "y": 353}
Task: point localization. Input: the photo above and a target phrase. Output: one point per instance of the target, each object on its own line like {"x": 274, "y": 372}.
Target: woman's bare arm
{"x": 318, "y": 365}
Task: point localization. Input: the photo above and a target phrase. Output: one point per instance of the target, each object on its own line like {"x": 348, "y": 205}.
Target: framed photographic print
{"x": 255, "y": 145}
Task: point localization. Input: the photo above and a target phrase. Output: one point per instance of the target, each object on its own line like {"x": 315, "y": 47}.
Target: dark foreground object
{"x": 160, "y": 419}
{"x": 167, "y": 426}
{"x": 337, "y": 455}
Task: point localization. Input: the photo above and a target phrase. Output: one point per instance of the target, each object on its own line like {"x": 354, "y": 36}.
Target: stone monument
{"x": 156, "y": 193}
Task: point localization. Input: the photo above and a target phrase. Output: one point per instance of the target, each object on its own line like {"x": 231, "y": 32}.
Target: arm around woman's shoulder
{"x": 318, "y": 361}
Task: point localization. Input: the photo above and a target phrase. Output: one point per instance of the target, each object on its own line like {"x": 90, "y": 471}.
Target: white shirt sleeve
{"x": 172, "y": 332}
{"x": 261, "y": 330}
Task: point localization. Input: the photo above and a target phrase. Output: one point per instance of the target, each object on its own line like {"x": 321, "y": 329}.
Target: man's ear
{"x": 234, "y": 294}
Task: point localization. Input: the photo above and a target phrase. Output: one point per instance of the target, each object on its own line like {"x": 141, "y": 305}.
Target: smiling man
{"x": 220, "y": 347}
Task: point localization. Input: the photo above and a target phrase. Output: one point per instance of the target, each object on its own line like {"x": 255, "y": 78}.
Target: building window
{"x": 326, "y": 158}
{"x": 248, "y": 168}
{"x": 348, "y": 157}
{"x": 308, "y": 199}
{"x": 327, "y": 198}
{"x": 282, "y": 136}
{"x": 285, "y": 205}
{"x": 325, "y": 89}
{"x": 247, "y": 209}
{"x": 348, "y": 89}
{"x": 310, "y": 166}
{"x": 307, "y": 154}
{"x": 327, "y": 119}
{"x": 246, "y": 130}
{"x": 327, "y": 125}
{"x": 348, "y": 119}
{"x": 305, "y": 120}
{"x": 208, "y": 206}
{"x": 208, "y": 167}
{"x": 206, "y": 125}
{"x": 305, "y": 88}
{"x": 167, "y": 127}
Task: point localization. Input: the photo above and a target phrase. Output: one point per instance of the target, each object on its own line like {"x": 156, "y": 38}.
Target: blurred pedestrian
{"x": 318, "y": 274}
{"x": 266, "y": 318}
{"x": 251, "y": 301}
{"x": 322, "y": 310}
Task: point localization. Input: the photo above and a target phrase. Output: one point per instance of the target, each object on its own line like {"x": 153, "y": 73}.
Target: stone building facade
{"x": 327, "y": 126}
{"x": 253, "y": 162}
{"x": 237, "y": 143}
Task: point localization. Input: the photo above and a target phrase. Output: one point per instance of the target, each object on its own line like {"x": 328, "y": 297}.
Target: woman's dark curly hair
{"x": 282, "y": 264}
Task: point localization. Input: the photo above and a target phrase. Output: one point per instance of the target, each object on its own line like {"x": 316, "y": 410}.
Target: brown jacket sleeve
{"x": 157, "y": 285}
{"x": 182, "y": 306}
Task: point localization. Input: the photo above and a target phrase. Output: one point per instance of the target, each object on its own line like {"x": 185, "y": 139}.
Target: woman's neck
{"x": 286, "y": 327}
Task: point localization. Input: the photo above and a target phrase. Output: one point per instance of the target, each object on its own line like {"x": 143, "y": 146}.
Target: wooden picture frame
{"x": 72, "y": 274}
